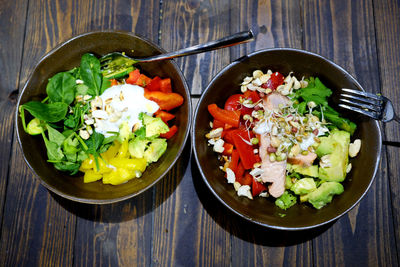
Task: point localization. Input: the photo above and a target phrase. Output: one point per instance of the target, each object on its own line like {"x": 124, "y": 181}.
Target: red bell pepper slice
{"x": 257, "y": 188}
{"x": 166, "y": 101}
{"x": 154, "y": 85}
{"x": 233, "y": 164}
{"x": 246, "y": 179}
{"x": 239, "y": 171}
{"x": 133, "y": 76}
{"x": 227, "y": 135}
{"x": 228, "y": 149}
{"x": 165, "y": 85}
{"x": 218, "y": 124}
{"x": 143, "y": 80}
{"x": 230, "y": 117}
{"x": 252, "y": 95}
{"x": 172, "y": 131}
{"x": 165, "y": 116}
{"x": 246, "y": 151}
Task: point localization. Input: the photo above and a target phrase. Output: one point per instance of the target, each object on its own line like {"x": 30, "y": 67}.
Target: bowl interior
{"x": 67, "y": 56}
{"x": 261, "y": 210}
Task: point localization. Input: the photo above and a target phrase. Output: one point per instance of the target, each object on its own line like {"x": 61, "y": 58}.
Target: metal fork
{"x": 377, "y": 107}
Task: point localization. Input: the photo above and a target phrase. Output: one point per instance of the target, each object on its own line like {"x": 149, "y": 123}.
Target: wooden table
{"x": 178, "y": 222}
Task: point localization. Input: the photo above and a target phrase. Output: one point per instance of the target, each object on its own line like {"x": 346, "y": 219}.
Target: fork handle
{"x": 234, "y": 39}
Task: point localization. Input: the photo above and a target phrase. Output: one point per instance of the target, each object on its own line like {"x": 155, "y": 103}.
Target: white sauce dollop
{"x": 125, "y": 102}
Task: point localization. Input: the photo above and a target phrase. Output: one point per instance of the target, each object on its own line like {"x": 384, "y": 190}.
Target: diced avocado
{"x": 34, "y": 127}
{"x": 324, "y": 194}
{"x": 124, "y": 132}
{"x": 308, "y": 171}
{"x": 325, "y": 147}
{"x": 154, "y": 126}
{"x": 155, "y": 150}
{"x": 303, "y": 186}
{"x": 289, "y": 182}
{"x": 285, "y": 201}
{"x": 137, "y": 147}
{"x": 337, "y": 160}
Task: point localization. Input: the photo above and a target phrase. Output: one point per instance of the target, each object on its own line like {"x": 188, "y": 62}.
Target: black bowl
{"x": 66, "y": 56}
{"x": 263, "y": 211}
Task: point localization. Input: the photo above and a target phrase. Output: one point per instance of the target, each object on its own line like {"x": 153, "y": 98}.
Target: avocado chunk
{"x": 154, "y": 126}
{"x": 286, "y": 200}
{"x": 308, "y": 171}
{"x": 333, "y": 166}
{"x": 325, "y": 147}
{"x": 323, "y": 194}
{"x": 137, "y": 147}
{"x": 303, "y": 186}
{"x": 155, "y": 150}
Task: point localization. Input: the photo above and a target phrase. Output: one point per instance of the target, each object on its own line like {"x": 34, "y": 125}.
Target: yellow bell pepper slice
{"x": 91, "y": 176}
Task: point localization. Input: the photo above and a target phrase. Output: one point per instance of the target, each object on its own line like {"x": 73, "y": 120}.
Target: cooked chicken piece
{"x": 304, "y": 160}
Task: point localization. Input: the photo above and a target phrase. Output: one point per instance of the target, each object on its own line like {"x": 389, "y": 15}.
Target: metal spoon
{"x": 237, "y": 38}
{"x": 116, "y": 64}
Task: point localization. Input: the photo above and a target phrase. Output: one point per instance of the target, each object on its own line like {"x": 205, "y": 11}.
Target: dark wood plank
{"x": 343, "y": 31}
{"x": 185, "y": 234}
{"x": 387, "y": 24}
{"x": 12, "y": 14}
{"x": 186, "y": 23}
{"x": 277, "y": 24}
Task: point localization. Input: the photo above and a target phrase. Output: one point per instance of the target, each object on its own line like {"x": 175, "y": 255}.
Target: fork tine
{"x": 363, "y": 99}
{"x": 375, "y": 108}
{"x": 371, "y": 114}
{"x": 356, "y": 92}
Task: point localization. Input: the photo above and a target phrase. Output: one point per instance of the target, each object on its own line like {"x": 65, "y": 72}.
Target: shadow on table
{"x": 134, "y": 207}
{"x": 244, "y": 229}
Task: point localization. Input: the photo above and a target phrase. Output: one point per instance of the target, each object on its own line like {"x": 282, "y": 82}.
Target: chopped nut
{"x": 244, "y": 190}
{"x": 236, "y": 185}
{"x": 230, "y": 176}
{"x": 109, "y": 109}
{"x": 348, "y": 169}
{"x": 325, "y": 161}
{"x": 135, "y": 127}
{"x": 97, "y": 103}
{"x": 108, "y": 101}
{"x": 257, "y": 82}
{"x": 247, "y": 80}
{"x": 115, "y": 117}
{"x": 243, "y": 88}
{"x": 295, "y": 150}
{"x": 257, "y": 74}
{"x": 79, "y": 98}
{"x": 264, "y": 78}
{"x": 354, "y": 148}
{"x": 215, "y": 133}
{"x": 121, "y": 96}
{"x": 219, "y": 146}
{"x": 84, "y": 134}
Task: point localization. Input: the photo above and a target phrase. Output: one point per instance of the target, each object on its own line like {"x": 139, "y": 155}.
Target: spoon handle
{"x": 237, "y": 38}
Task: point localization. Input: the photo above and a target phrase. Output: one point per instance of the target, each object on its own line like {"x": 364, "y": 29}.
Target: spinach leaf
{"x": 105, "y": 85}
{"x": 67, "y": 166}
{"x": 55, "y": 136}
{"x": 94, "y": 142}
{"x": 61, "y": 88}
{"x": 54, "y": 152}
{"x": 52, "y": 112}
{"x": 90, "y": 73}
{"x": 316, "y": 91}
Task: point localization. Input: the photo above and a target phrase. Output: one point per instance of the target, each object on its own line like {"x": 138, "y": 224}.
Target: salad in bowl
{"x": 104, "y": 118}
{"x": 278, "y": 137}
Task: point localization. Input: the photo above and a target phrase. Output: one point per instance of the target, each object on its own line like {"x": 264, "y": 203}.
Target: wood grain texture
{"x": 351, "y": 240}
{"x": 387, "y": 24}
{"x": 275, "y": 24}
{"x": 185, "y": 234}
{"x": 186, "y": 23}
{"x": 12, "y": 19}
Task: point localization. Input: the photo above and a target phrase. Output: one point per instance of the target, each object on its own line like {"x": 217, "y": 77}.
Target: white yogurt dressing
{"x": 122, "y": 104}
